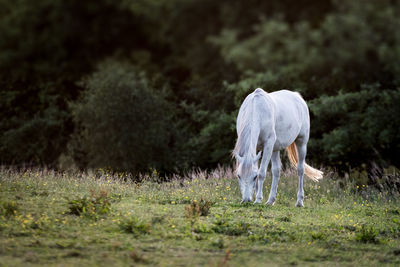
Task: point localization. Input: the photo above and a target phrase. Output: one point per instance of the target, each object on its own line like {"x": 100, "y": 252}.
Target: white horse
{"x": 271, "y": 122}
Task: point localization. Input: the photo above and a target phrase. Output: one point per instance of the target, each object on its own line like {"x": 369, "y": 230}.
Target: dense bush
{"x": 92, "y": 206}
{"x": 45, "y": 48}
{"x": 124, "y": 123}
{"x": 362, "y": 130}
{"x": 180, "y": 71}
{"x": 349, "y": 65}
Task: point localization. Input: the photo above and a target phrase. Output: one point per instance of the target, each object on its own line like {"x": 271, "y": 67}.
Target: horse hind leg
{"x": 275, "y": 168}
{"x": 301, "y": 152}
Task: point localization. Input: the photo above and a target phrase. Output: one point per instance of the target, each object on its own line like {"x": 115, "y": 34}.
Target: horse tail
{"x": 309, "y": 171}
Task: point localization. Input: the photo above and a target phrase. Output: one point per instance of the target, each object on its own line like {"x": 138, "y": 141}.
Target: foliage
{"x": 134, "y": 226}
{"x": 362, "y": 128}
{"x": 348, "y": 64}
{"x": 46, "y": 47}
{"x": 124, "y": 122}
{"x": 197, "y": 208}
{"x": 222, "y": 226}
{"x": 8, "y": 208}
{"x": 188, "y": 65}
{"x": 92, "y": 206}
{"x": 367, "y": 235}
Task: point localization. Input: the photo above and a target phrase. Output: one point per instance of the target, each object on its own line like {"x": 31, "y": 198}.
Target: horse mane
{"x": 243, "y": 139}
{"x": 245, "y": 128}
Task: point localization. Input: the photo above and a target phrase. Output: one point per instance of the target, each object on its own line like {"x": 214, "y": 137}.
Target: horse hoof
{"x": 270, "y": 203}
{"x": 258, "y": 201}
{"x": 299, "y": 204}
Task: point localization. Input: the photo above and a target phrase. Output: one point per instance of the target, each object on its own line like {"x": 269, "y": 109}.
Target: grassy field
{"x": 97, "y": 218}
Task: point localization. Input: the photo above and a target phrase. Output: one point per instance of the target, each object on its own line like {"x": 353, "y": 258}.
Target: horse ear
{"x": 237, "y": 156}
{"x": 257, "y": 157}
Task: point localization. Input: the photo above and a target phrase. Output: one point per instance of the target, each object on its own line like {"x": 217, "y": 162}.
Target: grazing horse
{"x": 271, "y": 122}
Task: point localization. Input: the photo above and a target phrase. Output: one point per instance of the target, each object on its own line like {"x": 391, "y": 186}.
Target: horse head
{"x": 247, "y": 170}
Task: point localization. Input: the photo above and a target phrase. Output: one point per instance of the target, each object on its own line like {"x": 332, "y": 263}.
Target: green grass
{"x": 70, "y": 219}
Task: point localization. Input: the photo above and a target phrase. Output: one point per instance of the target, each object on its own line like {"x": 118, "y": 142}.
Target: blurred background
{"x": 137, "y": 84}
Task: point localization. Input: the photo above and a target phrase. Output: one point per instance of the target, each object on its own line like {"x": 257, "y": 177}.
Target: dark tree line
{"x": 134, "y": 84}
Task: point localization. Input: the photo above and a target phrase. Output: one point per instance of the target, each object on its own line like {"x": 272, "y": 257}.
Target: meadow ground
{"x": 97, "y": 219}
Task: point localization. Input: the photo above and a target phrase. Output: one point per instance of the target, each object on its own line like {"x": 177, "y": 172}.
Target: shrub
{"x": 157, "y": 220}
{"x": 136, "y": 257}
{"x": 8, "y": 209}
{"x": 201, "y": 228}
{"x": 284, "y": 219}
{"x": 222, "y": 226}
{"x": 124, "y": 122}
{"x": 196, "y": 209}
{"x": 353, "y": 78}
{"x": 218, "y": 243}
{"x": 91, "y": 206}
{"x": 318, "y": 236}
{"x": 367, "y": 235}
{"x": 136, "y": 227}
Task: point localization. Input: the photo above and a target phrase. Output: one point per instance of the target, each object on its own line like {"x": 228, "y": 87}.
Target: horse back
{"x": 292, "y": 118}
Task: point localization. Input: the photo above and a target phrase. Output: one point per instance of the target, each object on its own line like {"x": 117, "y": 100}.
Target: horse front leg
{"x": 262, "y": 172}
{"x": 276, "y": 168}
